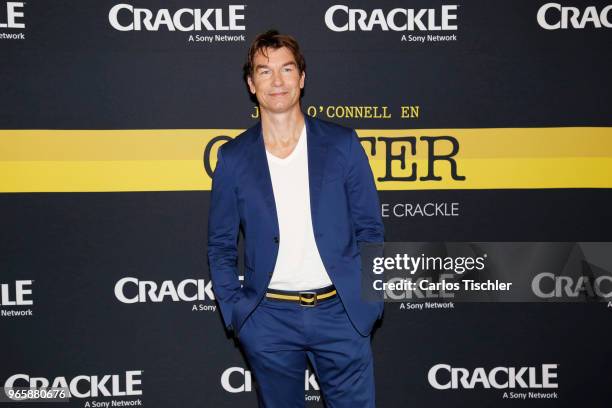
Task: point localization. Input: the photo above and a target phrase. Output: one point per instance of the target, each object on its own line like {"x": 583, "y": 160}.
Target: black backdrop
{"x": 73, "y": 71}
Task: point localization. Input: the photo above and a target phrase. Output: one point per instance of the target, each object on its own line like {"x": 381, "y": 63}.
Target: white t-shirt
{"x": 299, "y": 265}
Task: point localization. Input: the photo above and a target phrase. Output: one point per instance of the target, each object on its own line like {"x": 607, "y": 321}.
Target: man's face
{"x": 276, "y": 80}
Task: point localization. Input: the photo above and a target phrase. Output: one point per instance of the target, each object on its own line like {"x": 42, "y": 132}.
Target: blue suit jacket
{"x": 345, "y": 213}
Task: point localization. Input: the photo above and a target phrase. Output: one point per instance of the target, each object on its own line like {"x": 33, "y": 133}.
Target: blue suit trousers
{"x": 279, "y": 337}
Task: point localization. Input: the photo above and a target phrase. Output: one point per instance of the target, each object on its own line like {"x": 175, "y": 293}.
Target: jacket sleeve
{"x": 363, "y": 197}
{"x": 223, "y": 227}
{"x": 366, "y": 218}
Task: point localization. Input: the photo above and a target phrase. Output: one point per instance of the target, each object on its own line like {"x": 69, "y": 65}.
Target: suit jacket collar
{"x": 317, "y": 155}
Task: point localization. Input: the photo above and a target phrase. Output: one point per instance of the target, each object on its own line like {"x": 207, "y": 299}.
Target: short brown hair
{"x": 273, "y": 39}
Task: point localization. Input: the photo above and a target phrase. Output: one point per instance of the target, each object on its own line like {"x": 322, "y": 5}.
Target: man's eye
{"x": 264, "y": 72}
{"x": 288, "y": 69}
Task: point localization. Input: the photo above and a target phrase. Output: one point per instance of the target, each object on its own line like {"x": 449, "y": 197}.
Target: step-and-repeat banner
{"x": 488, "y": 126}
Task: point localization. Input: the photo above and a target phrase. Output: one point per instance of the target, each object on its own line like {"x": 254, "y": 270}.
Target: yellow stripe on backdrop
{"x": 172, "y": 159}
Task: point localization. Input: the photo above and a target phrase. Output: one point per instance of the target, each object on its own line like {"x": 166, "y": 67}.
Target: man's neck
{"x": 282, "y": 129}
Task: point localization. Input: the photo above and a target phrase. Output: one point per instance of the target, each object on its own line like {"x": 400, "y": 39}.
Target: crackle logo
{"x": 237, "y": 379}
{"x": 447, "y": 377}
{"x": 547, "y": 285}
{"x": 554, "y": 16}
{"x": 125, "y": 17}
{"x": 18, "y": 293}
{"x": 132, "y": 290}
{"x": 84, "y": 386}
{"x": 340, "y": 18}
{"x": 12, "y": 17}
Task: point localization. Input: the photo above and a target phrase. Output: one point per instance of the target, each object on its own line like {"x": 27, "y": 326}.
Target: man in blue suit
{"x": 303, "y": 193}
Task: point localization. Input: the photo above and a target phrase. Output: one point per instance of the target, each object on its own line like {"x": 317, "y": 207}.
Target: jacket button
{"x": 276, "y": 240}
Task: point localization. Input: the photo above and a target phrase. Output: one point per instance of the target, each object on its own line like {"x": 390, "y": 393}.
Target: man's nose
{"x": 277, "y": 78}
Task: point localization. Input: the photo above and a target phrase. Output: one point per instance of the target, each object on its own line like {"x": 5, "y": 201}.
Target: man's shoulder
{"x": 240, "y": 144}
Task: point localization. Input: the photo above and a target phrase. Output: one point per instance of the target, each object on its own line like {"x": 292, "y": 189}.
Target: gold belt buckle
{"x": 308, "y": 299}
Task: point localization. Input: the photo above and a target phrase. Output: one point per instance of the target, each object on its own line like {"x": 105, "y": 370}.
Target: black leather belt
{"x": 308, "y": 298}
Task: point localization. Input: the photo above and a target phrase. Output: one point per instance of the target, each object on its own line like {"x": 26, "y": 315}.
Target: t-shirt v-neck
{"x": 299, "y": 147}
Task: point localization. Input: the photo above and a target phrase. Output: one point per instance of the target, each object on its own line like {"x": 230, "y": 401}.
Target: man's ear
{"x": 251, "y": 85}
{"x": 302, "y": 79}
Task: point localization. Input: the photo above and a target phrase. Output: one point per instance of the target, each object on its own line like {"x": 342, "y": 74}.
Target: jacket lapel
{"x": 261, "y": 172}
{"x": 317, "y": 155}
